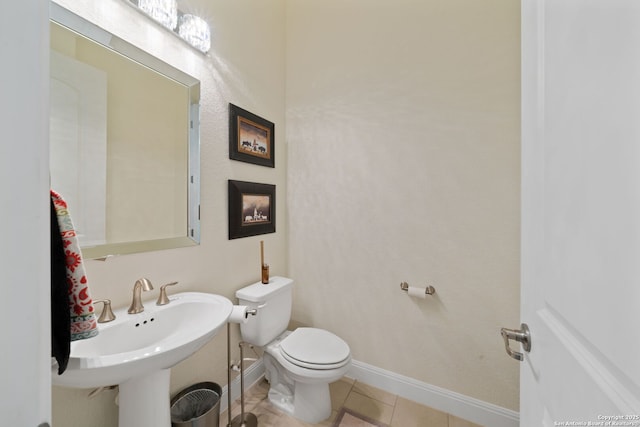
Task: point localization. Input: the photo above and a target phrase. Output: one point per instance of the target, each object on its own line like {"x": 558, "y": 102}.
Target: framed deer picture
{"x": 252, "y": 209}
{"x": 250, "y": 137}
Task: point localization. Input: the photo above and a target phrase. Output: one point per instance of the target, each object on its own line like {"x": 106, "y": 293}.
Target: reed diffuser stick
{"x": 264, "y": 268}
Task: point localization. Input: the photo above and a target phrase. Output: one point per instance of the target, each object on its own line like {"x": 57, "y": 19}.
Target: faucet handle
{"x": 107, "y": 314}
{"x": 163, "y": 299}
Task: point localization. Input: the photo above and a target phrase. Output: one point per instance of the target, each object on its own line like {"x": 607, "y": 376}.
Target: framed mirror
{"x": 125, "y": 141}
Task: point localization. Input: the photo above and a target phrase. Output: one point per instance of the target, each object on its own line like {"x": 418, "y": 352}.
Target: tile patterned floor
{"x": 376, "y": 404}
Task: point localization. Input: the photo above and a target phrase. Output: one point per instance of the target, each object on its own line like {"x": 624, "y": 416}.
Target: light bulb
{"x": 163, "y": 11}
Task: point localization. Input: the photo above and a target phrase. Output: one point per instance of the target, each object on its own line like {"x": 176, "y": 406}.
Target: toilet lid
{"x": 315, "y": 349}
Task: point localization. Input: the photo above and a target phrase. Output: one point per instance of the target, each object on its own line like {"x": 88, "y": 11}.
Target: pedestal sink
{"x": 136, "y": 352}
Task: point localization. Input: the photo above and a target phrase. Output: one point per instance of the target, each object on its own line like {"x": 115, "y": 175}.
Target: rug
{"x": 348, "y": 418}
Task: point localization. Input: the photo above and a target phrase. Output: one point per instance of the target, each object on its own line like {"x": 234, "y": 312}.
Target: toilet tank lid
{"x": 259, "y": 292}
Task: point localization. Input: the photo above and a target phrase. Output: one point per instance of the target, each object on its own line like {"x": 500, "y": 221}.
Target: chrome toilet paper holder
{"x": 429, "y": 290}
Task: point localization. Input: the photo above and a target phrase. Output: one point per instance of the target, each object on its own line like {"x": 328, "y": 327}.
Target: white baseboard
{"x": 468, "y": 408}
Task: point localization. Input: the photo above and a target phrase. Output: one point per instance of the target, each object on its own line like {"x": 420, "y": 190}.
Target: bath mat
{"x": 348, "y": 418}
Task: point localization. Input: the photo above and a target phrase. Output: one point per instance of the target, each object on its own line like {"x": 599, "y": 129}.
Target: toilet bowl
{"x": 299, "y": 376}
{"x": 299, "y": 364}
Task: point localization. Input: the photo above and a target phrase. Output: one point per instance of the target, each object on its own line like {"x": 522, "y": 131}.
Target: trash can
{"x": 197, "y": 406}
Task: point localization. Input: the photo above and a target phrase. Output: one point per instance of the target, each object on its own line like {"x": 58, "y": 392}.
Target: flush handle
{"x": 254, "y": 311}
{"x": 522, "y": 336}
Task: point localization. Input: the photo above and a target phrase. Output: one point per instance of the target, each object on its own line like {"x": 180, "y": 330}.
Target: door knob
{"x": 522, "y": 336}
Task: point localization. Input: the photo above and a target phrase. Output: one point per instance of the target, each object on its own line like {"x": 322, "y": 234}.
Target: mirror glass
{"x": 124, "y": 138}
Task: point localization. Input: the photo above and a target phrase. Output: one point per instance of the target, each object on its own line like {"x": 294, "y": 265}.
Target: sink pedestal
{"x": 144, "y": 401}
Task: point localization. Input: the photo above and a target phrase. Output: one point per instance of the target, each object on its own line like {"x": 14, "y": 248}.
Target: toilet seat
{"x": 314, "y": 348}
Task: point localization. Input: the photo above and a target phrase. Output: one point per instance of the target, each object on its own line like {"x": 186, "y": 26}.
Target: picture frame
{"x": 251, "y": 138}
{"x": 252, "y": 209}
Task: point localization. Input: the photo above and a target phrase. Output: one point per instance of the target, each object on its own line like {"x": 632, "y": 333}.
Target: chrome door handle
{"x": 522, "y": 336}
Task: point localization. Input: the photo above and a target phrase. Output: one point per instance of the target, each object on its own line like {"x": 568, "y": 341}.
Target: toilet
{"x": 299, "y": 364}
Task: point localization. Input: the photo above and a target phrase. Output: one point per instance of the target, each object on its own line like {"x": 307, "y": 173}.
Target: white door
{"x": 581, "y": 212}
{"x": 25, "y": 361}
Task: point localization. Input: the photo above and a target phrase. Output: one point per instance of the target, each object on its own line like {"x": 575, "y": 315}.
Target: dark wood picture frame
{"x": 252, "y": 209}
{"x": 251, "y": 138}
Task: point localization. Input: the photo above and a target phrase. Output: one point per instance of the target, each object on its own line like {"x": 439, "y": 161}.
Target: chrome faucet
{"x": 140, "y": 285}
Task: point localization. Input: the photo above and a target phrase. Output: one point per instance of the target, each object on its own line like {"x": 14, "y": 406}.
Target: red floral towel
{"x": 83, "y": 318}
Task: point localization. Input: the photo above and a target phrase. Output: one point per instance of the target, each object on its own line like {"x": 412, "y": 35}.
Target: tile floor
{"x": 377, "y": 404}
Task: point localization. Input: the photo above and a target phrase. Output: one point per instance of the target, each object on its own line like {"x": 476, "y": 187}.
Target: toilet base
{"x": 306, "y": 401}
{"x": 310, "y": 403}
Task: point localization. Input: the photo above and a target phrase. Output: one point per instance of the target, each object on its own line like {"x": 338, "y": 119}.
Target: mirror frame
{"x": 78, "y": 24}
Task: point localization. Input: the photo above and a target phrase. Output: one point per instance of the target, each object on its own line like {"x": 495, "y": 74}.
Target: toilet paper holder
{"x": 429, "y": 290}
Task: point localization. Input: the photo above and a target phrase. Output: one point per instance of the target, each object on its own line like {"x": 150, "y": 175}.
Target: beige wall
{"x": 245, "y": 67}
{"x": 403, "y": 133}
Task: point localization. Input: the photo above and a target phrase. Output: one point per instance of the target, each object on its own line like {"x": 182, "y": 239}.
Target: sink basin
{"x": 136, "y": 351}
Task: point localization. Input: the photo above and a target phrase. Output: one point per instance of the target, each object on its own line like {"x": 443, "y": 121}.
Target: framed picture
{"x": 252, "y": 209}
{"x": 250, "y": 137}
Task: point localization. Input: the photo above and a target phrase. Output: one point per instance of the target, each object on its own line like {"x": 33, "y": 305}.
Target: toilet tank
{"x": 273, "y": 318}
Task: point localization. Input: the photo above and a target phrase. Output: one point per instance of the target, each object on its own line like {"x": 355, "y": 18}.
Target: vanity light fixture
{"x": 191, "y": 28}
{"x": 163, "y": 11}
{"x": 195, "y": 31}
